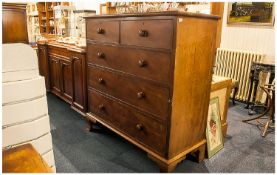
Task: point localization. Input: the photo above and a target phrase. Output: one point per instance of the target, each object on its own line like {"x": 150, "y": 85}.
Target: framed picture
{"x": 251, "y": 13}
{"x": 213, "y": 130}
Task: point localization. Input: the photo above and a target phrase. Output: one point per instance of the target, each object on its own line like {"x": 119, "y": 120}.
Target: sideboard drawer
{"x": 144, "y": 95}
{"x": 148, "y": 64}
{"x": 58, "y": 51}
{"x": 147, "y": 33}
{"x": 143, "y": 129}
{"x": 103, "y": 31}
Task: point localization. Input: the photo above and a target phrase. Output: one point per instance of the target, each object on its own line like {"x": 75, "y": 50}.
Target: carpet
{"x": 77, "y": 150}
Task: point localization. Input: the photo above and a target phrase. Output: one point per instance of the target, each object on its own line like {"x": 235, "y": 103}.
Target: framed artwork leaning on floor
{"x": 213, "y": 130}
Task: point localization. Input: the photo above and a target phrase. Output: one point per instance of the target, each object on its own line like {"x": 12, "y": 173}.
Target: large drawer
{"x": 142, "y": 94}
{"x": 147, "y": 33}
{"x": 136, "y": 125}
{"x": 148, "y": 64}
{"x": 103, "y": 31}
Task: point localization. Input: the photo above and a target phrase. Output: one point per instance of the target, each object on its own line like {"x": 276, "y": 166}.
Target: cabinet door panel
{"x": 79, "y": 82}
{"x": 55, "y": 74}
{"x": 66, "y": 79}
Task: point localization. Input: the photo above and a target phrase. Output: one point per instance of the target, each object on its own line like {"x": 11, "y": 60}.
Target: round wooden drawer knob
{"x": 143, "y": 33}
{"x": 141, "y": 94}
{"x": 100, "y": 55}
{"x": 142, "y": 63}
{"x": 139, "y": 127}
{"x": 101, "y": 80}
{"x": 100, "y": 30}
{"x": 101, "y": 107}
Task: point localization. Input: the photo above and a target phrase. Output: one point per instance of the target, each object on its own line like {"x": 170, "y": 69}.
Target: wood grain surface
{"x": 24, "y": 159}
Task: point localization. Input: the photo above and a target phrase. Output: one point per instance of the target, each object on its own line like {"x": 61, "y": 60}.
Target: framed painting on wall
{"x": 213, "y": 130}
{"x": 251, "y": 13}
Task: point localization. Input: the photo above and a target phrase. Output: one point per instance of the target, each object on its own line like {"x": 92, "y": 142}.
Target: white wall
{"x": 256, "y": 39}
{"x": 88, "y": 5}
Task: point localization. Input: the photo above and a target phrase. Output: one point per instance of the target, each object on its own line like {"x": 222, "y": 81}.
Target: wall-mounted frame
{"x": 251, "y": 13}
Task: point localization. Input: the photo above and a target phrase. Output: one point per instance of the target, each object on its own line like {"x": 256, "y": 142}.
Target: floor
{"x": 77, "y": 150}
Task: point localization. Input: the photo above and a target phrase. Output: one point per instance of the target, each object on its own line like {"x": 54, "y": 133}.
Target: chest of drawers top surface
{"x": 156, "y": 14}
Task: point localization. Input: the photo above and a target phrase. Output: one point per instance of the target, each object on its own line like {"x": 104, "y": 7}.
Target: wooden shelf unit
{"x": 32, "y": 22}
{"x": 46, "y": 14}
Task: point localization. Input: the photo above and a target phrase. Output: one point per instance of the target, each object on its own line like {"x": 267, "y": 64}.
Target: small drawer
{"x": 103, "y": 31}
{"x": 58, "y": 51}
{"x": 147, "y": 64}
{"x": 147, "y": 33}
{"x": 141, "y": 94}
{"x": 134, "y": 124}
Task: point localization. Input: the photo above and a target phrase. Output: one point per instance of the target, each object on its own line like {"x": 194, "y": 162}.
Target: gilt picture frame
{"x": 251, "y": 14}
{"x": 213, "y": 131}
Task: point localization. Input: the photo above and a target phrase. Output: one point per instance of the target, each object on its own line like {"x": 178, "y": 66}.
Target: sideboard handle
{"x": 100, "y": 31}
{"x": 76, "y": 58}
{"x": 142, "y": 63}
{"x": 143, "y": 33}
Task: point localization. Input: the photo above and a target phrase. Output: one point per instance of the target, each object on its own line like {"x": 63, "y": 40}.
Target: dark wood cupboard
{"x": 64, "y": 71}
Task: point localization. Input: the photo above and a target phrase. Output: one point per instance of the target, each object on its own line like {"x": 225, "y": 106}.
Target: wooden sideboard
{"x": 64, "y": 69}
{"x": 149, "y": 80}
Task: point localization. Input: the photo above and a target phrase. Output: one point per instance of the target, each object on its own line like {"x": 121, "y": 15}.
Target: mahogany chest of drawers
{"x": 149, "y": 80}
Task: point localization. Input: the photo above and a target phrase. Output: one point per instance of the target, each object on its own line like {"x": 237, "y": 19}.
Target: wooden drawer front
{"x": 144, "y": 129}
{"x": 103, "y": 31}
{"x": 59, "y": 51}
{"x": 148, "y": 97}
{"x": 147, "y": 33}
{"x": 147, "y": 64}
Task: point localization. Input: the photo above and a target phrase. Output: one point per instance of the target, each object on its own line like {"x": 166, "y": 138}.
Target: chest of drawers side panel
{"x": 194, "y": 58}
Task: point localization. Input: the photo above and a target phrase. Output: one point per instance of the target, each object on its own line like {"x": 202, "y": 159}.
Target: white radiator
{"x": 236, "y": 64}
